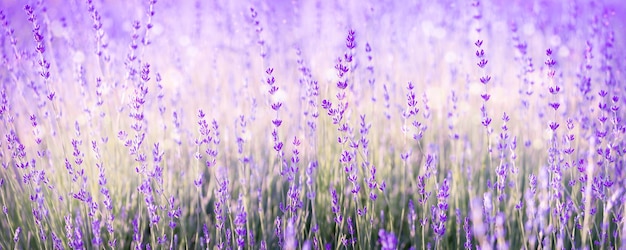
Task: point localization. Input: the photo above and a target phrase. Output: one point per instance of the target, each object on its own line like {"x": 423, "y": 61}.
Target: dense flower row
{"x": 312, "y": 125}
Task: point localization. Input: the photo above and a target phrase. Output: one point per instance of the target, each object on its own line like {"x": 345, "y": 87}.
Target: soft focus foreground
{"x": 313, "y": 125}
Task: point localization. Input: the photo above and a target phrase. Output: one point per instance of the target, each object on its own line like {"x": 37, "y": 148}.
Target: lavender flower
{"x": 412, "y": 217}
{"x": 291, "y": 242}
{"x": 278, "y": 231}
{"x": 40, "y": 49}
{"x": 101, "y": 36}
{"x": 16, "y": 236}
{"x": 240, "y": 223}
{"x": 387, "y": 240}
{"x": 440, "y": 216}
{"x": 336, "y": 208}
{"x": 468, "y": 234}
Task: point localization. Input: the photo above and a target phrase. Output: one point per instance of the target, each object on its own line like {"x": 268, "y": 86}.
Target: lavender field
{"x": 313, "y": 124}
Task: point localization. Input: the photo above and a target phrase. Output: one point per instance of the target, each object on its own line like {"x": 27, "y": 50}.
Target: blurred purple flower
{"x": 387, "y": 240}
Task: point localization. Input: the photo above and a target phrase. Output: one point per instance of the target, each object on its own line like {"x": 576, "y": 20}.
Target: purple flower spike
{"x": 350, "y": 41}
